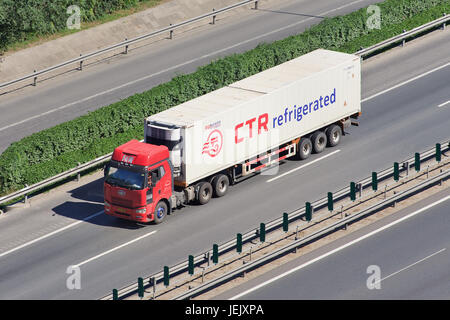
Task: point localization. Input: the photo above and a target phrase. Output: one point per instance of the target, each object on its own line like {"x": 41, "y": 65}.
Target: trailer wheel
{"x": 220, "y": 185}
{"x": 204, "y": 192}
{"x": 304, "y": 148}
{"x": 160, "y": 212}
{"x": 319, "y": 141}
{"x": 334, "y": 134}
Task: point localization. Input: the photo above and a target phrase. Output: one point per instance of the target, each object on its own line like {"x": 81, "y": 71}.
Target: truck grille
{"x": 122, "y": 202}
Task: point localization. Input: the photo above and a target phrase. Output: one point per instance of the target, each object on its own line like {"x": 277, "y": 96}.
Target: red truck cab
{"x": 138, "y": 182}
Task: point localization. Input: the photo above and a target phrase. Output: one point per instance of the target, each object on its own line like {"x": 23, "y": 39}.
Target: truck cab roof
{"x": 139, "y": 153}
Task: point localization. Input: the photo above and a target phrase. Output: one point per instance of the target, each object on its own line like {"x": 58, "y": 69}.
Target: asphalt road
{"x": 402, "y": 261}
{"x": 68, "y": 96}
{"x": 35, "y": 251}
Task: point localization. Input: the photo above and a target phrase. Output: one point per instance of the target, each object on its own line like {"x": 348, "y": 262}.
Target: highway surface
{"x": 68, "y": 96}
{"x": 397, "y": 261}
{"x": 67, "y": 227}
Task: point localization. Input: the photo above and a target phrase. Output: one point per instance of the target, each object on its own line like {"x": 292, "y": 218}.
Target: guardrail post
{"x": 285, "y": 222}
{"x": 239, "y": 243}
{"x": 126, "y": 47}
{"x": 78, "y": 174}
{"x": 330, "y": 201}
{"x": 115, "y": 294}
{"x": 256, "y": 5}
{"x": 153, "y": 284}
{"x": 215, "y": 255}
{"x": 374, "y": 181}
{"x": 417, "y": 161}
{"x": 359, "y": 187}
{"x": 308, "y": 211}
{"x": 171, "y": 33}
{"x": 443, "y": 24}
{"x": 81, "y": 63}
{"x": 207, "y": 257}
{"x": 352, "y": 191}
{"x": 214, "y": 17}
{"x": 438, "y": 152}
{"x": 396, "y": 172}
{"x": 406, "y": 166}
{"x": 262, "y": 232}
{"x": 404, "y": 40}
{"x": 166, "y": 276}
{"x": 140, "y": 287}
{"x": 191, "y": 265}
{"x": 34, "y": 79}
{"x": 25, "y": 200}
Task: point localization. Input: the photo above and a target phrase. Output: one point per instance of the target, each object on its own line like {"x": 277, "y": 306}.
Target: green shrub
{"x": 20, "y": 20}
{"x": 57, "y": 149}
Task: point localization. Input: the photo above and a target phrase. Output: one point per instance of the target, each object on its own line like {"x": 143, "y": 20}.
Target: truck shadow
{"x": 91, "y": 196}
{"x": 84, "y": 211}
{"x": 93, "y": 191}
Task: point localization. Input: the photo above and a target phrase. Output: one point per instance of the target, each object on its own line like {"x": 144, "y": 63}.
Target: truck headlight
{"x": 143, "y": 210}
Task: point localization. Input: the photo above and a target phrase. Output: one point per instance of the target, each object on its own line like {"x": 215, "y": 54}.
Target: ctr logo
{"x": 213, "y": 144}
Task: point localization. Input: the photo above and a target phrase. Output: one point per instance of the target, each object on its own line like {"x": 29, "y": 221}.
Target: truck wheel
{"x": 204, "y": 192}
{"x": 334, "y": 134}
{"x": 220, "y": 185}
{"x": 304, "y": 148}
{"x": 160, "y": 212}
{"x": 319, "y": 141}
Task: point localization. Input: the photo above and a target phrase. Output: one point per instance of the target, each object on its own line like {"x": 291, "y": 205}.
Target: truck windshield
{"x": 125, "y": 178}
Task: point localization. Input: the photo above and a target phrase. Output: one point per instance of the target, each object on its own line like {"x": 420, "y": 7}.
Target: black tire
{"x": 220, "y": 185}
{"x": 319, "y": 141}
{"x": 334, "y": 135}
{"x": 161, "y": 212}
{"x": 304, "y": 148}
{"x": 204, "y": 192}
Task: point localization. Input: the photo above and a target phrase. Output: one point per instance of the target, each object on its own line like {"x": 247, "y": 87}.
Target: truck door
{"x": 159, "y": 180}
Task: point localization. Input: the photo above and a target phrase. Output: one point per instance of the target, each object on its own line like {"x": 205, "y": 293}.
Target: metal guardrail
{"x": 59, "y": 177}
{"x": 295, "y": 244}
{"x": 277, "y": 223}
{"x": 126, "y": 43}
{"x": 405, "y": 35}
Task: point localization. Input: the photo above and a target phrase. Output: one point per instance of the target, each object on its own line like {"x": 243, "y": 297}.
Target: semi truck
{"x": 198, "y": 149}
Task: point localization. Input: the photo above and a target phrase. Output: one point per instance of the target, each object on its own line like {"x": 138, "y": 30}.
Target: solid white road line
{"x": 444, "y": 104}
{"x": 50, "y": 234}
{"x": 303, "y": 166}
{"x": 409, "y": 266}
{"x": 114, "y": 249}
{"x": 339, "y": 248}
{"x": 406, "y": 82}
{"x": 175, "y": 67}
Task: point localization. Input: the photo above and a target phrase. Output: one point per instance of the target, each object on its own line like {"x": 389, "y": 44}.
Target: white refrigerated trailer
{"x": 293, "y": 109}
